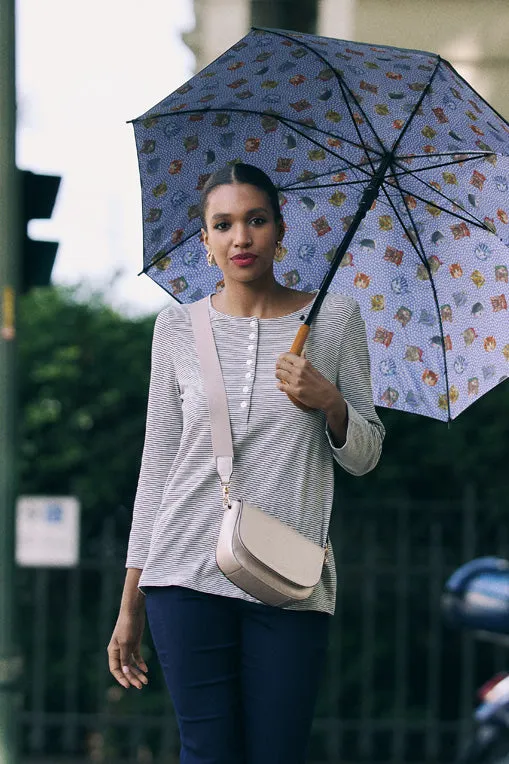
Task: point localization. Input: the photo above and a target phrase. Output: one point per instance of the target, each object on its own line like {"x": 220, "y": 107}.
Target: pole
{"x": 368, "y": 197}
{"x": 9, "y": 261}
{"x": 299, "y": 15}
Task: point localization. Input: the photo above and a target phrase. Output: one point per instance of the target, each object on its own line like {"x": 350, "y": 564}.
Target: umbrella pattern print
{"x": 323, "y": 118}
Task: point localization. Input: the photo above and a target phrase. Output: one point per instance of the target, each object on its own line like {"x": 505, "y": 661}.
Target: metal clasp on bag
{"x": 226, "y": 495}
{"x": 224, "y": 466}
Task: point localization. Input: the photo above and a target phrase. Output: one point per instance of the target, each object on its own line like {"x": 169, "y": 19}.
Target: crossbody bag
{"x": 260, "y": 554}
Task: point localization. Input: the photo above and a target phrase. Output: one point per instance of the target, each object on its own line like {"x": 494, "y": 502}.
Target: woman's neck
{"x": 246, "y": 300}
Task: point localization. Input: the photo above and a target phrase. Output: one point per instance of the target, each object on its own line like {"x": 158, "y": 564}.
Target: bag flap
{"x": 279, "y": 547}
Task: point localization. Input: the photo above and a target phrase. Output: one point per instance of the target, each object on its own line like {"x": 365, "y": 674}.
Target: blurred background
{"x": 74, "y": 372}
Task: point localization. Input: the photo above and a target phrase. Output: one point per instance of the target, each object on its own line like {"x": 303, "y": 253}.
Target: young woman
{"x": 243, "y": 676}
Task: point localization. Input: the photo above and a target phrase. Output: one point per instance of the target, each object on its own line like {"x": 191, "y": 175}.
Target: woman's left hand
{"x": 299, "y": 378}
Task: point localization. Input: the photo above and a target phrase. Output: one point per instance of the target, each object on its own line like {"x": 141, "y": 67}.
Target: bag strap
{"x": 215, "y": 392}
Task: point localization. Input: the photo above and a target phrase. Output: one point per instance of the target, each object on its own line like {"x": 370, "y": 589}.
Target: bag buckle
{"x": 224, "y": 466}
{"x": 226, "y": 495}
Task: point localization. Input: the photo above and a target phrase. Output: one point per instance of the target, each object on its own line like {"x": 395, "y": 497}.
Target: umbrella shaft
{"x": 368, "y": 197}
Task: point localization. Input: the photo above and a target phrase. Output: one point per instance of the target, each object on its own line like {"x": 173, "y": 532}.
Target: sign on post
{"x": 47, "y": 531}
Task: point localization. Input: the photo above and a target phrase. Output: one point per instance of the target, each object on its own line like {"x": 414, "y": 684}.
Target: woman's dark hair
{"x": 241, "y": 173}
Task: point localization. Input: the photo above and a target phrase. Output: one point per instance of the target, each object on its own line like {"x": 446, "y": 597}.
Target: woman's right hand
{"x": 124, "y": 650}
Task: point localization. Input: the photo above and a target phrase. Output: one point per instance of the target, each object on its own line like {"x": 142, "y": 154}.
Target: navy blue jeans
{"x": 243, "y": 677}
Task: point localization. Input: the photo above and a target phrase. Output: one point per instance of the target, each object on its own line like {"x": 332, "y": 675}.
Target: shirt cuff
{"x": 357, "y": 455}
{"x": 136, "y": 560}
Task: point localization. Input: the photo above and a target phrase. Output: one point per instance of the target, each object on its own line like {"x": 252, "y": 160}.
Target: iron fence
{"x": 400, "y": 687}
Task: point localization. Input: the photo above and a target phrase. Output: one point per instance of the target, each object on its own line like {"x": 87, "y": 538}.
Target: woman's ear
{"x": 205, "y": 237}
{"x": 281, "y": 231}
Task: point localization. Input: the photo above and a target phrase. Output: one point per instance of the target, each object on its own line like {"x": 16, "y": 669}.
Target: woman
{"x": 243, "y": 676}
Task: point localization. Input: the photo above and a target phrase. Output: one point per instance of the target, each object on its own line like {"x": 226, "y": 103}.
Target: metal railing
{"x": 400, "y": 687}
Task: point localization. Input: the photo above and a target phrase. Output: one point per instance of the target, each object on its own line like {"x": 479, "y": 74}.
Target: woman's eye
{"x": 258, "y": 221}
{"x": 221, "y": 226}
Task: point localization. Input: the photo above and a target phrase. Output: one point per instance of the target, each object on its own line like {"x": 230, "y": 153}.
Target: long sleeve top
{"x": 283, "y": 456}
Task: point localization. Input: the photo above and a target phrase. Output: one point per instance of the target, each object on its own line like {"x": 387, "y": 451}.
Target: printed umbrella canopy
{"x": 386, "y": 152}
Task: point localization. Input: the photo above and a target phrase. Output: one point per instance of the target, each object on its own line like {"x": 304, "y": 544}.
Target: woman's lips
{"x": 244, "y": 259}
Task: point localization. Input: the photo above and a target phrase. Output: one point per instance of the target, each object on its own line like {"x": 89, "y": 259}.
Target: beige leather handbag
{"x": 261, "y": 555}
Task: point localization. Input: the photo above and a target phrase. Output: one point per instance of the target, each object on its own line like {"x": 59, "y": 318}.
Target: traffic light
{"x": 38, "y": 195}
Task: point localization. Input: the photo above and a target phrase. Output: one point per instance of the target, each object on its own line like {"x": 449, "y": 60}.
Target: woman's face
{"x": 241, "y": 231}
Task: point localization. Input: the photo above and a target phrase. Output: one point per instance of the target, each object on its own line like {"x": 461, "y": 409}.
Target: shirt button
{"x": 243, "y": 404}
{"x": 245, "y": 389}
{"x": 249, "y": 362}
{"x": 250, "y": 347}
{"x": 249, "y": 375}
{"x": 252, "y": 323}
{"x": 252, "y": 336}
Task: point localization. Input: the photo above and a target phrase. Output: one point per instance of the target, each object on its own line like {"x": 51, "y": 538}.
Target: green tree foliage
{"x": 84, "y": 372}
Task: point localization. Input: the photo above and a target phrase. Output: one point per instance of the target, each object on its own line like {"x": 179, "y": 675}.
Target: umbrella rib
{"x": 268, "y": 113}
{"x": 456, "y": 215}
{"x": 471, "y": 219}
{"x": 434, "y": 166}
{"x": 356, "y": 126}
{"x": 166, "y": 252}
{"x": 433, "y": 287}
{"x": 317, "y": 176}
{"x": 505, "y": 124}
{"x": 343, "y": 86}
{"x": 322, "y": 185}
{"x": 292, "y": 122}
{"x": 417, "y": 106}
{"x": 340, "y": 82}
{"x": 420, "y": 255}
{"x": 478, "y": 154}
{"x": 325, "y": 148}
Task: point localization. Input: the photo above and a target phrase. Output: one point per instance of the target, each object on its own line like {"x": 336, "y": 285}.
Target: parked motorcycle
{"x": 476, "y": 598}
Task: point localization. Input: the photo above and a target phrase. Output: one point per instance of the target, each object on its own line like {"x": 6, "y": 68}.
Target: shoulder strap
{"x": 213, "y": 385}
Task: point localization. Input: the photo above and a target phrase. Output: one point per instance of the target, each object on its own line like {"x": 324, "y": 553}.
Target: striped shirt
{"x": 283, "y": 457}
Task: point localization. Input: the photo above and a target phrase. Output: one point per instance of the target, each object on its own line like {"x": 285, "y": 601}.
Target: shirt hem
{"x": 233, "y": 595}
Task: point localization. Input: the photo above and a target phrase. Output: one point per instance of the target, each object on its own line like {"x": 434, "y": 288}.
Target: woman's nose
{"x": 242, "y": 236}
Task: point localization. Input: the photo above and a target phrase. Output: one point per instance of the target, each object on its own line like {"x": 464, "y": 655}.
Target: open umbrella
{"x": 386, "y": 152}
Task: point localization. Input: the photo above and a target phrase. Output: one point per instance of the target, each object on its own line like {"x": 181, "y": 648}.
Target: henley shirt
{"x": 283, "y": 456}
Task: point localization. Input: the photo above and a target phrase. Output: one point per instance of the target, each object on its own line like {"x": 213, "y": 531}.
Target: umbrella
{"x": 386, "y": 152}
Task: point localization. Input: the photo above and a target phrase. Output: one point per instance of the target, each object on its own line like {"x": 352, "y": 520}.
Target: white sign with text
{"x": 47, "y": 531}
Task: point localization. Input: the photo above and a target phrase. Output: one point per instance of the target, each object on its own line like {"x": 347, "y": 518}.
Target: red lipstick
{"x": 244, "y": 259}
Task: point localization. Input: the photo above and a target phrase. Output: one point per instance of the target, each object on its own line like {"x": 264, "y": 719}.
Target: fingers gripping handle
{"x": 297, "y": 348}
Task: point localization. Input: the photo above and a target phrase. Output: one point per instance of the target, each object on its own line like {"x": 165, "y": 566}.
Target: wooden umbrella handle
{"x": 300, "y": 339}
{"x": 297, "y": 348}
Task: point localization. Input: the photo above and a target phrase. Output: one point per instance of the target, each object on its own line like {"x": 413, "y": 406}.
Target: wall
{"x": 219, "y": 24}
{"x": 472, "y": 35}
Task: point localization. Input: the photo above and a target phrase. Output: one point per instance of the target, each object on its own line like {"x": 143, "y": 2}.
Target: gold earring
{"x": 280, "y": 252}
{"x": 210, "y": 257}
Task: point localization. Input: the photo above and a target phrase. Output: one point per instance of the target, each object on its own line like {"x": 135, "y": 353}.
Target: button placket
{"x": 249, "y": 365}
